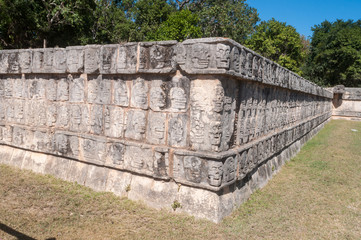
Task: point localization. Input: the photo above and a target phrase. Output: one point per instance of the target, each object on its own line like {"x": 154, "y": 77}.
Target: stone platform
{"x": 202, "y": 123}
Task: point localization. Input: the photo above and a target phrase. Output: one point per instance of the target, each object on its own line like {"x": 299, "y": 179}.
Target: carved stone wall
{"x": 197, "y": 122}
{"x": 346, "y": 103}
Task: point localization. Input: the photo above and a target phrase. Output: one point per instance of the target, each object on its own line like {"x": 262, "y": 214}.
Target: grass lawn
{"x": 316, "y": 195}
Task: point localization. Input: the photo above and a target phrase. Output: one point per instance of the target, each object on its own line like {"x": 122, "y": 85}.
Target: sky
{"x": 304, "y": 14}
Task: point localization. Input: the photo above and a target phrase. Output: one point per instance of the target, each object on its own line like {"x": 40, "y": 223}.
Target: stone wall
{"x": 346, "y": 103}
{"x": 203, "y": 123}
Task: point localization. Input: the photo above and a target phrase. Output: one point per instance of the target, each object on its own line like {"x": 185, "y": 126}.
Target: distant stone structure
{"x": 202, "y": 123}
{"x": 346, "y": 103}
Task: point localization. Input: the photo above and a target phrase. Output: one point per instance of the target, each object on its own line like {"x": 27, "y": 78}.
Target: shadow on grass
{"x": 18, "y": 235}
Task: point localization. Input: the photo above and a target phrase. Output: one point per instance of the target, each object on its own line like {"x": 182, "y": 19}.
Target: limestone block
{"x": 155, "y": 133}
{"x": 99, "y": 90}
{"x": 114, "y": 121}
{"x": 42, "y": 141}
{"x": 157, "y": 57}
{"x": 51, "y": 89}
{"x": 120, "y": 93}
{"x": 77, "y": 90}
{"x": 19, "y": 88}
{"x": 77, "y": 172}
{"x": 65, "y": 145}
{"x": 158, "y": 194}
{"x": 62, "y": 91}
{"x": 9, "y": 61}
{"x": 201, "y": 171}
{"x": 75, "y": 59}
{"x": 118, "y": 182}
{"x": 62, "y": 116}
{"x": 108, "y": 59}
{"x": 92, "y": 59}
{"x": 17, "y": 158}
{"x": 139, "y": 159}
{"x": 25, "y": 60}
{"x": 42, "y": 61}
{"x": 36, "y": 88}
{"x": 177, "y": 130}
{"x": 161, "y": 164}
{"x": 96, "y": 119}
{"x": 80, "y": 118}
{"x": 136, "y": 124}
{"x": 115, "y": 155}
{"x": 6, "y": 153}
{"x": 59, "y": 60}
{"x": 93, "y": 150}
{"x": 96, "y": 178}
{"x": 57, "y": 166}
{"x": 139, "y": 97}
{"x": 212, "y": 114}
{"x": 126, "y": 58}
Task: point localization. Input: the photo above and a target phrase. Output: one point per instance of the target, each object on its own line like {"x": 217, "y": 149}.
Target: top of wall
{"x": 216, "y": 56}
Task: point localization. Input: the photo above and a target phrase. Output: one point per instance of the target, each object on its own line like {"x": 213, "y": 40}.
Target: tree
{"x": 147, "y": 16}
{"x": 225, "y": 18}
{"x": 64, "y": 23}
{"x": 111, "y": 24}
{"x": 335, "y": 54}
{"x": 279, "y": 42}
{"x": 17, "y": 23}
{"x": 179, "y": 26}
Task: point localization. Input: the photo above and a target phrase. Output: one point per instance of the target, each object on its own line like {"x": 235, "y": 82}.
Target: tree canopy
{"x": 279, "y": 42}
{"x": 335, "y": 53}
{"x": 38, "y": 23}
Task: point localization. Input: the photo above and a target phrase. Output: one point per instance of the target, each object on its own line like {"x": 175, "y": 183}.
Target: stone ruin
{"x": 197, "y": 125}
{"x": 346, "y": 103}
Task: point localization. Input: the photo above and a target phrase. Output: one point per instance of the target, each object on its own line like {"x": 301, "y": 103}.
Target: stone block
{"x": 91, "y": 59}
{"x": 75, "y": 59}
{"x": 127, "y": 58}
{"x": 118, "y": 182}
{"x": 157, "y": 57}
{"x": 96, "y": 178}
{"x": 136, "y": 124}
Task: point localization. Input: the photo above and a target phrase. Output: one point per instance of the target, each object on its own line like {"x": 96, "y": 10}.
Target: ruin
{"x": 202, "y": 123}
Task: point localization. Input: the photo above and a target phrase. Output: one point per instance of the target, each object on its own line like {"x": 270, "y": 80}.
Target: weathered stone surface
{"x": 200, "y": 122}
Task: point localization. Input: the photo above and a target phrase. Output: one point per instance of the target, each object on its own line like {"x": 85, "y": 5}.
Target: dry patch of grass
{"x": 317, "y": 195}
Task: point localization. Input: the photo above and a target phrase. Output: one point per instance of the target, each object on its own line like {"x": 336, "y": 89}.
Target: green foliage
{"x": 111, "y": 25}
{"x": 335, "y": 54}
{"x": 179, "y": 26}
{"x": 148, "y": 15}
{"x": 226, "y": 18}
{"x": 17, "y": 23}
{"x": 280, "y": 43}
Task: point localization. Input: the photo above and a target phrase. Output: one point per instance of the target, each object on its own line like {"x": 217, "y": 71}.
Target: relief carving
{"x": 121, "y": 93}
{"x": 157, "y": 98}
{"x": 139, "y": 94}
{"x": 116, "y": 153}
{"x": 177, "y": 131}
{"x": 215, "y": 173}
{"x": 200, "y": 56}
{"x": 63, "y": 90}
{"x": 136, "y": 125}
{"x": 223, "y": 56}
{"x": 156, "y": 128}
{"x": 76, "y": 89}
{"x": 235, "y": 59}
{"x": 192, "y": 169}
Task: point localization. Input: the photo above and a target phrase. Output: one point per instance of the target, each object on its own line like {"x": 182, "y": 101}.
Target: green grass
{"x": 316, "y": 195}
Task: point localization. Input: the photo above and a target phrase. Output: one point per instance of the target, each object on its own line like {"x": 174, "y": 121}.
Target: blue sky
{"x": 304, "y": 14}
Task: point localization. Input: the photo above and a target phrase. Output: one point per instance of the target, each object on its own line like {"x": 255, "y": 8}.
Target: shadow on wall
{"x": 337, "y": 100}
{"x": 17, "y": 234}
